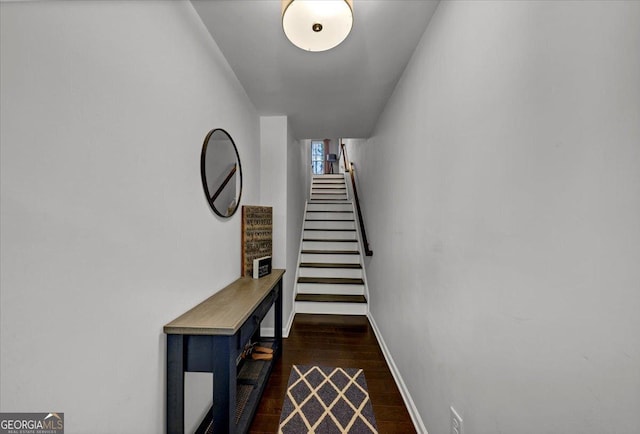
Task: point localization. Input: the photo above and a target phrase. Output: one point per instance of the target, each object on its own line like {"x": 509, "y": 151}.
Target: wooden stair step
{"x": 331, "y": 298}
{"x": 330, "y": 230}
{"x": 327, "y": 220}
{"x": 331, "y": 252}
{"x": 328, "y": 201}
{"x": 327, "y": 265}
{"x": 332, "y": 280}
{"x": 330, "y": 240}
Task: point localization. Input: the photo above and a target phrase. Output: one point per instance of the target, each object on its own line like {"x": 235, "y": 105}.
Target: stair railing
{"x": 351, "y": 169}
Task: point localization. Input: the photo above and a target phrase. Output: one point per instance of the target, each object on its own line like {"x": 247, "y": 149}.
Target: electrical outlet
{"x": 456, "y": 422}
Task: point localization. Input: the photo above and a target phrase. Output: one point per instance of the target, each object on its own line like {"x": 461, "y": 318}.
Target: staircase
{"x": 330, "y": 277}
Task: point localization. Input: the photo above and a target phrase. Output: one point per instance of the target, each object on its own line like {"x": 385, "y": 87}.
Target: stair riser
{"x": 330, "y": 259}
{"x": 315, "y": 215}
{"x": 329, "y": 225}
{"x": 329, "y": 191}
{"x": 315, "y": 196}
{"x": 329, "y": 185}
{"x": 355, "y": 273}
{"x": 329, "y": 207}
{"x": 319, "y": 288}
{"x": 329, "y": 245}
{"x": 329, "y": 176}
{"x": 339, "y": 235}
{"x": 331, "y": 308}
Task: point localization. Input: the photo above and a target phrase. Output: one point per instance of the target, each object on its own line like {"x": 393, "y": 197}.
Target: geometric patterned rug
{"x": 325, "y": 400}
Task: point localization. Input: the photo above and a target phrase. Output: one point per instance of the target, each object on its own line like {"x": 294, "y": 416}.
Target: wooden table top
{"x": 225, "y": 311}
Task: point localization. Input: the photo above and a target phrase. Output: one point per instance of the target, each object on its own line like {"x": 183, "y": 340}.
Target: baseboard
{"x": 287, "y": 328}
{"x": 408, "y": 401}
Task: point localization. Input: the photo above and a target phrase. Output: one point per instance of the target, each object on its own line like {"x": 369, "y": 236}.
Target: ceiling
{"x": 336, "y": 93}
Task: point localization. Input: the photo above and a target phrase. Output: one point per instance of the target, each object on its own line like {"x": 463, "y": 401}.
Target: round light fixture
{"x": 317, "y": 25}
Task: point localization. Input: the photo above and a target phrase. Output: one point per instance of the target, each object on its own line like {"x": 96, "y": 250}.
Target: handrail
{"x": 224, "y": 183}
{"x": 351, "y": 170}
{"x": 343, "y": 151}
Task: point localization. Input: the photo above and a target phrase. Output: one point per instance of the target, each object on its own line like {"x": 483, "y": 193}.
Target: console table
{"x": 211, "y": 338}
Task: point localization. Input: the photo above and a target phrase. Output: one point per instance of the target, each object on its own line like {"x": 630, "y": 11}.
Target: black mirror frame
{"x": 203, "y": 174}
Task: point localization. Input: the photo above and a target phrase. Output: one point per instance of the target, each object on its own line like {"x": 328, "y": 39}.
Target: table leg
{"x": 224, "y": 384}
{"x": 278, "y": 322}
{"x": 175, "y": 384}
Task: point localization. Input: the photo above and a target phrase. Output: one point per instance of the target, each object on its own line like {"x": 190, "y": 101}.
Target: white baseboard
{"x": 287, "y": 327}
{"x": 408, "y": 401}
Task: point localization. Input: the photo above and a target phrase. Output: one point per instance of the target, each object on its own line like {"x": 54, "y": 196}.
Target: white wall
{"x": 298, "y": 162}
{"x": 282, "y": 181}
{"x": 502, "y": 194}
{"x": 106, "y": 233}
{"x": 306, "y": 146}
{"x": 273, "y": 193}
{"x": 273, "y": 180}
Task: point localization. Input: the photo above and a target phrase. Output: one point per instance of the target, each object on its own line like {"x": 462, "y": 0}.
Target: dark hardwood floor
{"x": 340, "y": 341}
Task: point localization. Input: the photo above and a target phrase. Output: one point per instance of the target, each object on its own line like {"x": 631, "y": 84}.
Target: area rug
{"x": 326, "y": 400}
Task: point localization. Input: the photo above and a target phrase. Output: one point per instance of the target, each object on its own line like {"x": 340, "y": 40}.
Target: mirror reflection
{"x": 221, "y": 172}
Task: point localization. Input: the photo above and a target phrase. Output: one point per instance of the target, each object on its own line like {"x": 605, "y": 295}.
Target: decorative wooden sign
{"x": 257, "y": 235}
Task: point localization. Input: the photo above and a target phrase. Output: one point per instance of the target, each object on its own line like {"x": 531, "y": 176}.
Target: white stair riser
{"x": 355, "y": 273}
{"x": 329, "y": 225}
{"x": 331, "y": 191}
{"x": 328, "y": 196}
{"x": 331, "y": 308}
{"x": 316, "y": 215}
{"x": 329, "y": 176}
{"x": 329, "y": 185}
{"x": 341, "y": 235}
{"x": 329, "y": 207}
{"x": 325, "y": 289}
{"x": 331, "y": 258}
{"x": 329, "y": 245}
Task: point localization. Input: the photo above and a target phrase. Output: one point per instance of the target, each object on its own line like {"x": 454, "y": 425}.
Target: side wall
{"x": 298, "y": 156}
{"x": 502, "y": 193}
{"x": 106, "y": 234}
{"x": 281, "y": 187}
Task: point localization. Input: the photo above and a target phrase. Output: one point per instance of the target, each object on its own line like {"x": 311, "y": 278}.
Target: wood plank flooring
{"x": 335, "y": 340}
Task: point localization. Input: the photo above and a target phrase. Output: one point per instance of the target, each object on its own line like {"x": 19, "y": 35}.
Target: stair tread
{"x": 329, "y": 210}
{"x": 335, "y": 298}
{"x": 328, "y": 265}
{"x": 330, "y": 240}
{"x": 329, "y": 230}
{"x": 331, "y": 252}
{"x": 332, "y": 280}
{"x": 327, "y": 220}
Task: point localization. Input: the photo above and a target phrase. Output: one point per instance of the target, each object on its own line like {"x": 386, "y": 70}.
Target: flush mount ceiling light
{"x": 317, "y": 25}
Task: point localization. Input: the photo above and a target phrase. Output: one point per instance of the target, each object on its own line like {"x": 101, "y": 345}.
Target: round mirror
{"x": 221, "y": 172}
